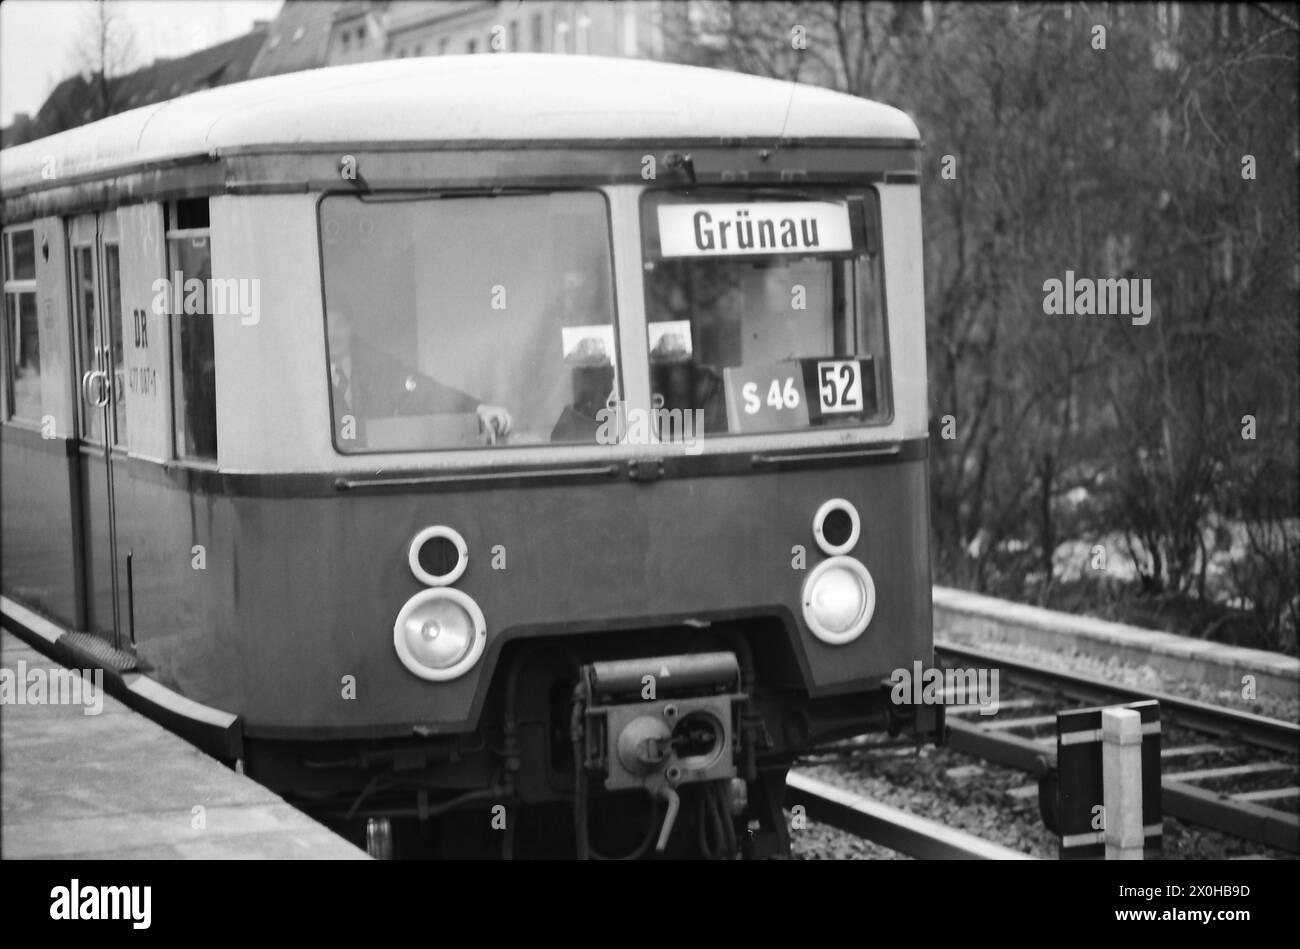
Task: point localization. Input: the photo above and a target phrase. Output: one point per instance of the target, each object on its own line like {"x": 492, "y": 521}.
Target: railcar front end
{"x": 517, "y": 489}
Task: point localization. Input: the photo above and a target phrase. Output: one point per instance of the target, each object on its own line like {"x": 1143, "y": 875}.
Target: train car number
{"x": 839, "y": 386}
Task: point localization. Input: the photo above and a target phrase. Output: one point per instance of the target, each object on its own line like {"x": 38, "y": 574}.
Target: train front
{"x": 629, "y": 503}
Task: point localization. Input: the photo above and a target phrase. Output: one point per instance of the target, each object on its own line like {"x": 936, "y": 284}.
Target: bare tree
{"x": 1166, "y": 151}
{"x": 105, "y": 49}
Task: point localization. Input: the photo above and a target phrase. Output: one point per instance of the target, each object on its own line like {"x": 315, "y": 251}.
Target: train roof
{"x": 508, "y": 97}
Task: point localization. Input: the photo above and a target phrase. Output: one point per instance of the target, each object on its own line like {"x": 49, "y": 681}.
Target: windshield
{"x": 459, "y": 322}
{"x": 765, "y": 308}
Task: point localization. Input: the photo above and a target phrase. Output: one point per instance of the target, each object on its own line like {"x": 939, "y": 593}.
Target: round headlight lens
{"x": 439, "y": 633}
{"x": 839, "y": 598}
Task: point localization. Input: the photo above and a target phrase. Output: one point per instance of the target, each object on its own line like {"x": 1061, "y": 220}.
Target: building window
{"x": 471, "y": 46}
{"x": 538, "y": 33}
{"x": 442, "y": 46}
{"x": 514, "y": 37}
{"x": 419, "y": 49}
{"x": 343, "y": 40}
{"x": 194, "y": 388}
{"x": 22, "y": 326}
{"x": 361, "y": 36}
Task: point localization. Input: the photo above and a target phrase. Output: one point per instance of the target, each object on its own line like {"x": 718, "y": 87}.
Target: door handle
{"x": 88, "y": 381}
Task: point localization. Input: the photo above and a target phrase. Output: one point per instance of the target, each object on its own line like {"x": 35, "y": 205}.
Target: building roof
{"x": 63, "y": 108}
{"x": 515, "y": 97}
{"x": 298, "y": 38}
{"x": 166, "y": 79}
{"x": 74, "y": 100}
{"x": 416, "y": 13}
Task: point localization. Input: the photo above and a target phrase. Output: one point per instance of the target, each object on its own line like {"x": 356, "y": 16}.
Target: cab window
{"x": 467, "y": 321}
{"x": 765, "y": 308}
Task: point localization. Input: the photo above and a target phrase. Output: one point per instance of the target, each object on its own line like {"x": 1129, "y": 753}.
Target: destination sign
{"x": 758, "y": 227}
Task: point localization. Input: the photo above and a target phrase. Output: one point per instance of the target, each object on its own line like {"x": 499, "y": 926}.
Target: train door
{"x": 95, "y": 270}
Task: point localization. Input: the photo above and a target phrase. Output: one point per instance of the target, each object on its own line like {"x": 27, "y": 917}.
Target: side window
{"x": 83, "y": 302}
{"x": 21, "y": 326}
{"x": 113, "y": 304}
{"x": 194, "y": 386}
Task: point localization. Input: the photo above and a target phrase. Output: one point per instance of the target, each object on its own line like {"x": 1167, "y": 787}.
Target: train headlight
{"x": 839, "y": 598}
{"x": 439, "y": 634}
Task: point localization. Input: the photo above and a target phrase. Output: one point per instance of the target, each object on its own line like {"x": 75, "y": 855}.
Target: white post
{"x": 1121, "y": 771}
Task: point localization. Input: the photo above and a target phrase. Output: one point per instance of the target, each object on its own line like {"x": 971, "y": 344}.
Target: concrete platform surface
{"x": 76, "y": 784}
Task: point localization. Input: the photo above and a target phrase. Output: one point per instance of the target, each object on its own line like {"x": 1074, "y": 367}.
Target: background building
{"x": 308, "y": 34}
{"x": 84, "y": 98}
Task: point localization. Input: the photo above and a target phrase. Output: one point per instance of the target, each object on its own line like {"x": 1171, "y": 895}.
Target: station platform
{"x": 81, "y": 784}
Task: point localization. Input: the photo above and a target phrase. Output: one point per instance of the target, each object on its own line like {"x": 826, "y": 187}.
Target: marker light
{"x": 439, "y": 634}
{"x": 839, "y": 598}
{"x": 836, "y": 526}
{"x": 438, "y": 556}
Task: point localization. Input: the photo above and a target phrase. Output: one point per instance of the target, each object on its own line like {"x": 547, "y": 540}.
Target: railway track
{"x": 1243, "y": 748}
{"x": 898, "y": 830}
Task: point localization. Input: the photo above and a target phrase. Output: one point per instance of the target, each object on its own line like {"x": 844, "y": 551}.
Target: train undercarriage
{"x": 592, "y": 748}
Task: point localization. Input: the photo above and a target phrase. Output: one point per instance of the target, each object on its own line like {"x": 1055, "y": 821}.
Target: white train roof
{"x": 516, "y": 96}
